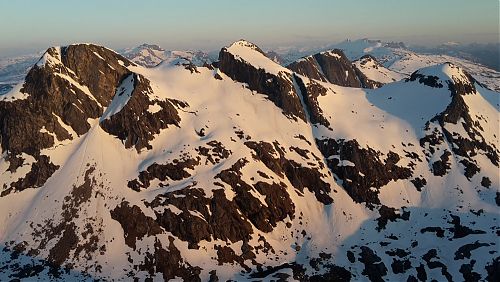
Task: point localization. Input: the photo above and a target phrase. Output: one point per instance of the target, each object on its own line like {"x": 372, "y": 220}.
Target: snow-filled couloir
{"x": 244, "y": 169}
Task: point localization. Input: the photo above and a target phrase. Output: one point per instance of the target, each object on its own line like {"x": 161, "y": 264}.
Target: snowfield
{"x": 184, "y": 173}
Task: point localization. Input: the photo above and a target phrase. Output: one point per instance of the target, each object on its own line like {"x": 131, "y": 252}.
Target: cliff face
{"x": 277, "y": 85}
{"x": 142, "y": 116}
{"x": 333, "y": 67}
{"x": 67, "y": 89}
{"x": 245, "y": 170}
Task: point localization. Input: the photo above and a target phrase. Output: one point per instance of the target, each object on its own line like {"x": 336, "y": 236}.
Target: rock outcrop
{"x": 276, "y": 84}
{"x": 334, "y": 67}
{"x": 67, "y": 87}
{"x": 245, "y": 169}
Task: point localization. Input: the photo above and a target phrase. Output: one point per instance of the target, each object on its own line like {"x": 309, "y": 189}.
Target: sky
{"x": 29, "y": 25}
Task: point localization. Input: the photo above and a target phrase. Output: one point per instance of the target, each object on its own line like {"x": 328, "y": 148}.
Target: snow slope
{"x": 232, "y": 186}
{"x": 404, "y": 61}
{"x": 375, "y": 71}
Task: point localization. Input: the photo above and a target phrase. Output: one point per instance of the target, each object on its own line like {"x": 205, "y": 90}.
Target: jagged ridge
{"x": 216, "y": 193}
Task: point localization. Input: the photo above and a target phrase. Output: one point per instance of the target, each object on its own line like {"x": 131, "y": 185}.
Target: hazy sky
{"x": 27, "y": 25}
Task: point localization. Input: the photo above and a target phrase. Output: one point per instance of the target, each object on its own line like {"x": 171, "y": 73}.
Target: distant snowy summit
{"x": 395, "y": 57}
{"x": 150, "y": 55}
{"x": 244, "y": 169}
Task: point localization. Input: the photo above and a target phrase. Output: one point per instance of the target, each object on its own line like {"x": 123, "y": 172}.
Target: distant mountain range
{"x": 485, "y": 54}
{"x": 363, "y": 162}
{"x": 478, "y": 59}
{"x": 151, "y": 55}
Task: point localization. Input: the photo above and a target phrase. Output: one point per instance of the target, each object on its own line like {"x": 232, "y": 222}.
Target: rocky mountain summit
{"x": 243, "y": 169}
{"x": 333, "y": 67}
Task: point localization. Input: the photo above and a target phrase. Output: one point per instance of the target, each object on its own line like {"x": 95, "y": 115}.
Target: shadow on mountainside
{"x": 431, "y": 244}
{"x": 16, "y": 266}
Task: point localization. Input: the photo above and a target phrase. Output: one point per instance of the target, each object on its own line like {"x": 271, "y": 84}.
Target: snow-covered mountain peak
{"x": 243, "y": 170}
{"x": 51, "y": 57}
{"x": 334, "y": 52}
{"x": 54, "y": 55}
{"x": 245, "y": 62}
{"x": 375, "y": 71}
{"x": 151, "y": 55}
{"x": 369, "y": 59}
{"x": 152, "y": 47}
{"x": 250, "y": 53}
{"x": 246, "y": 44}
{"x": 446, "y": 71}
{"x": 445, "y": 75}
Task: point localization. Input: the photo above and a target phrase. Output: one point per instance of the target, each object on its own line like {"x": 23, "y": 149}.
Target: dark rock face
{"x": 36, "y": 177}
{"x": 486, "y": 182}
{"x": 419, "y": 183}
{"x": 464, "y": 147}
{"x": 278, "y": 88}
{"x": 334, "y": 67}
{"x": 68, "y": 85}
{"x": 84, "y": 62}
{"x": 437, "y": 230}
{"x": 421, "y": 273}
{"x": 135, "y": 224}
{"x": 331, "y": 272}
{"x": 474, "y": 142}
{"x": 429, "y": 80}
{"x": 368, "y": 169}
{"x": 185, "y": 225}
{"x": 493, "y": 270}
{"x": 465, "y": 250}
{"x": 440, "y": 167}
{"x": 431, "y": 258}
{"x": 134, "y": 124}
{"x": 300, "y": 177}
{"x": 214, "y": 153}
{"x": 459, "y": 230}
{"x": 310, "y": 93}
{"x": 400, "y": 266}
{"x": 374, "y": 267}
{"x": 279, "y": 204}
{"x": 173, "y": 171}
{"x": 467, "y": 271}
{"x": 222, "y": 218}
{"x": 389, "y": 214}
{"x": 169, "y": 263}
